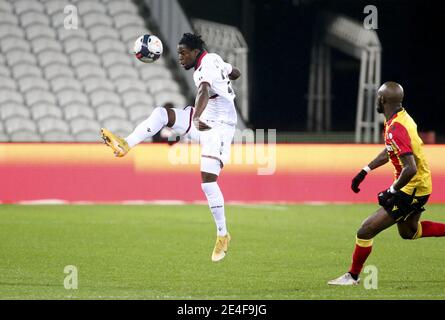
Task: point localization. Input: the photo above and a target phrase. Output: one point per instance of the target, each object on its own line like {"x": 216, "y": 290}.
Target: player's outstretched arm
{"x": 235, "y": 74}
{"x": 380, "y": 160}
{"x": 202, "y": 98}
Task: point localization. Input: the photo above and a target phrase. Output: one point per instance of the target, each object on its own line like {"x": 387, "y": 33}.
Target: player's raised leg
{"x": 177, "y": 119}
{"x": 372, "y": 226}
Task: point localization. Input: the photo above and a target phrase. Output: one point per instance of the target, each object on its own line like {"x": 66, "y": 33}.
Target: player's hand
{"x": 386, "y": 198}
{"x": 201, "y": 126}
{"x": 357, "y": 180}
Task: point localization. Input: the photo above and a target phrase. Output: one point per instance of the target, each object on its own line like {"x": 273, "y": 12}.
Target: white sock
{"x": 149, "y": 127}
{"x": 216, "y": 204}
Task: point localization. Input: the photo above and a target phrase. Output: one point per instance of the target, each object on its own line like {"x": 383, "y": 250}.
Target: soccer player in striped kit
{"x": 402, "y": 203}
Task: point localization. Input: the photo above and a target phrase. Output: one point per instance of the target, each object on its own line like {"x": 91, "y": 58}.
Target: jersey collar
{"x": 394, "y": 116}
{"x": 199, "y": 59}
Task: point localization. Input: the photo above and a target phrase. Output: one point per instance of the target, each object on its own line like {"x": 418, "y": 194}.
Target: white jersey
{"x": 212, "y": 69}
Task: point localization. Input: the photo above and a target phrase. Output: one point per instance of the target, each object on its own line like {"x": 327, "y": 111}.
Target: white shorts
{"x": 215, "y": 143}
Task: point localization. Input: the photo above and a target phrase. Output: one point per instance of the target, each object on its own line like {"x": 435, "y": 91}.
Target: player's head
{"x": 389, "y": 97}
{"x": 189, "y": 48}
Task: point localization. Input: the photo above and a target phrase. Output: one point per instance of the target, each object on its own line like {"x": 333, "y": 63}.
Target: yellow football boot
{"x": 119, "y": 145}
{"x": 221, "y": 246}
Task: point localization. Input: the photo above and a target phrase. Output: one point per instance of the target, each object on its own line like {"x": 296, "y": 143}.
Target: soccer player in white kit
{"x": 211, "y": 121}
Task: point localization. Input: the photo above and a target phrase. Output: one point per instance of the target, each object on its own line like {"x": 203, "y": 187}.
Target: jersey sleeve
{"x": 228, "y": 68}
{"x": 400, "y": 138}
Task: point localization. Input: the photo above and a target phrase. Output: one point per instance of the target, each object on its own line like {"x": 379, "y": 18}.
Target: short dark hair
{"x": 192, "y": 41}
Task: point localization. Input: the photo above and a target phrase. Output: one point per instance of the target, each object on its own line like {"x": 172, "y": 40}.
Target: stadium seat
{"x": 88, "y": 6}
{"x": 131, "y": 99}
{"x": 5, "y": 6}
{"x": 126, "y": 84}
{"x": 12, "y": 109}
{"x": 7, "y": 18}
{"x": 7, "y": 83}
{"x": 25, "y": 136}
{"x": 32, "y": 82}
{"x": 88, "y": 136}
{"x": 78, "y": 110}
{"x": 58, "y": 21}
{"x": 104, "y": 97}
{"x": 127, "y": 19}
{"x": 102, "y": 32}
{"x": 26, "y": 70}
{"x": 4, "y": 71}
{"x": 77, "y": 44}
{"x": 35, "y": 96}
{"x": 154, "y": 71}
{"x": 31, "y": 18}
{"x": 139, "y": 112}
{"x": 96, "y": 19}
{"x": 49, "y": 124}
{"x": 86, "y": 71}
{"x": 49, "y": 57}
{"x": 14, "y": 57}
{"x": 84, "y": 124}
{"x": 79, "y": 58}
{"x": 121, "y": 71}
{"x": 67, "y": 96}
{"x": 57, "y": 136}
{"x": 159, "y": 84}
{"x": 107, "y": 111}
{"x": 56, "y": 70}
{"x": 10, "y": 30}
{"x": 45, "y": 44}
{"x": 55, "y": 6}
{"x": 109, "y": 45}
{"x": 163, "y": 97}
{"x": 113, "y": 58}
{"x": 13, "y": 43}
{"x": 96, "y": 83}
{"x": 22, "y": 6}
{"x": 119, "y": 126}
{"x": 117, "y": 7}
{"x": 43, "y": 110}
{"x": 129, "y": 34}
{"x": 7, "y": 95}
{"x": 67, "y": 34}
{"x": 63, "y": 83}
{"x": 33, "y": 32}
{"x": 17, "y": 123}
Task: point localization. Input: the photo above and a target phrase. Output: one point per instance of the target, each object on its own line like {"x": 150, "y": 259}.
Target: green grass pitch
{"x": 163, "y": 252}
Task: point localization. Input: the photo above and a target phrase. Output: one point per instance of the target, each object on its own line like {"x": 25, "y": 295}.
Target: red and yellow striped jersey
{"x": 401, "y": 138}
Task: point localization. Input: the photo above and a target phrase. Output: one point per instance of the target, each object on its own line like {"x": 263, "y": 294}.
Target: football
{"x": 148, "y": 48}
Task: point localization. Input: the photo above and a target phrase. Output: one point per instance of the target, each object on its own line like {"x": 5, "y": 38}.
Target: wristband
{"x": 367, "y": 169}
{"x": 392, "y": 190}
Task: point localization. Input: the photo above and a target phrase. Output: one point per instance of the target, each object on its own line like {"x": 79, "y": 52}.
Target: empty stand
{"x": 60, "y": 84}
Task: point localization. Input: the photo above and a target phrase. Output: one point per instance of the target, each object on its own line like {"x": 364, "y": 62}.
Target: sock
{"x": 148, "y": 127}
{"x": 362, "y": 250}
{"x": 430, "y": 229}
{"x": 216, "y": 204}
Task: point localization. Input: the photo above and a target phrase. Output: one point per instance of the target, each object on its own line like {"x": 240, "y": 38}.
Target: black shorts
{"x": 406, "y": 205}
